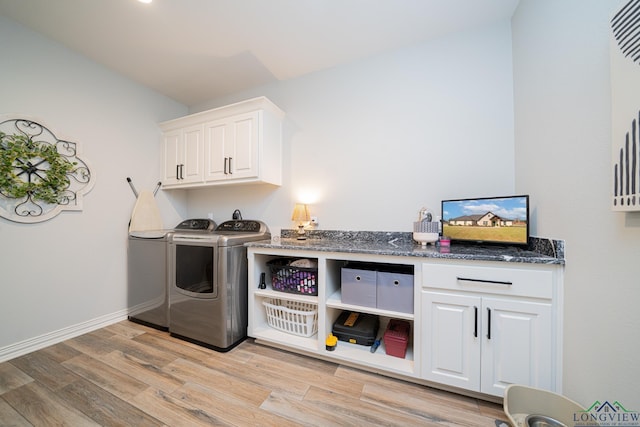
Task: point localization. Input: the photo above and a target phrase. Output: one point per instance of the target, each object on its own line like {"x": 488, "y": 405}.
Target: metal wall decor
{"x": 40, "y": 174}
{"x": 625, "y": 106}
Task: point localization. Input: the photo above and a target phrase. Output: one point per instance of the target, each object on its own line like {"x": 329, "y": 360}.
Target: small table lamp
{"x": 301, "y": 215}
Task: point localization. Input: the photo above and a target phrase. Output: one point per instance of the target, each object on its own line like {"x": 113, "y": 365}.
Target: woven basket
{"x": 294, "y": 280}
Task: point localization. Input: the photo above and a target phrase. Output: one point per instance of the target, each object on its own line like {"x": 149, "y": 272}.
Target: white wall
{"x": 72, "y": 268}
{"x": 563, "y": 159}
{"x": 384, "y": 136}
{"x": 372, "y": 142}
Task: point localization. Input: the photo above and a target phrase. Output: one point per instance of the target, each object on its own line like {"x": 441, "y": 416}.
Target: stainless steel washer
{"x": 208, "y": 282}
{"x": 147, "y": 278}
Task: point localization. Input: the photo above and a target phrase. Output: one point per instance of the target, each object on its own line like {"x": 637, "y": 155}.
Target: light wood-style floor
{"x": 130, "y": 375}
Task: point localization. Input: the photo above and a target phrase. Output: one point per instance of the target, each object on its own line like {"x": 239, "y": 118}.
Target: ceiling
{"x": 197, "y": 50}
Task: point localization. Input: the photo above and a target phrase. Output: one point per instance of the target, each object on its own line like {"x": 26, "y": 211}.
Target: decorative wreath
{"x": 32, "y": 169}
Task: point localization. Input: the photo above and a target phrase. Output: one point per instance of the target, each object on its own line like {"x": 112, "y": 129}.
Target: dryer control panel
{"x": 244, "y": 226}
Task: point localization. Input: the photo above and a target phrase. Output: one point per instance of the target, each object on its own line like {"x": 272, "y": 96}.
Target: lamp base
{"x": 301, "y": 234}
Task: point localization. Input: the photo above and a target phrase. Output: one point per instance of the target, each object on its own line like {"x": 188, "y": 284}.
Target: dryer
{"x": 208, "y": 281}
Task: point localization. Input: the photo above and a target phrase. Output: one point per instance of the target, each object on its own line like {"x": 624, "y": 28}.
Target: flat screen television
{"x": 487, "y": 220}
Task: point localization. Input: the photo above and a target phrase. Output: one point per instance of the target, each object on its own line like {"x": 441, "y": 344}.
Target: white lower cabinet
{"x": 486, "y": 325}
{"x": 520, "y": 347}
{"x": 484, "y": 343}
{"x": 451, "y": 348}
{"x": 476, "y": 327}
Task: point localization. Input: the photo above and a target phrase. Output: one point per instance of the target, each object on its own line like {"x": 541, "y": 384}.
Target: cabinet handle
{"x": 475, "y": 328}
{"x": 182, "y": 171}
{"x": 177, "y": 172}
{"x": 488, "y": 323}
{"x": 225, "y": 165}
{"x": 496, "y": 282}
{"x": 230, "y": 169}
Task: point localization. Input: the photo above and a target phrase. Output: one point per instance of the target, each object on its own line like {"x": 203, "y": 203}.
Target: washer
{"x": 208, "y": 281}
{"x": 147, "y": 278}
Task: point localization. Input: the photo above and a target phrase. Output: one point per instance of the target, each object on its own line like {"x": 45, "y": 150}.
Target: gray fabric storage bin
{"x": 359, "y": 287}
{"x": 394, "y": 291}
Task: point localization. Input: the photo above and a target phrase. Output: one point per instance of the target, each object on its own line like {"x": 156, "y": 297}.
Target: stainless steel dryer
{"x": 208, "y": 281}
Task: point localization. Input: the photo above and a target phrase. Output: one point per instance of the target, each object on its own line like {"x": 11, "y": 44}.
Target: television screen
{"x": 500, "y": 220}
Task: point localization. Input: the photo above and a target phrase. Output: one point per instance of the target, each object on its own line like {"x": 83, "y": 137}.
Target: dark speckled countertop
{"x": 539, "y": 250}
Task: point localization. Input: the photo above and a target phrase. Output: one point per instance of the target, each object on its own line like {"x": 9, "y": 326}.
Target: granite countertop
{"x": 539, "y": 250}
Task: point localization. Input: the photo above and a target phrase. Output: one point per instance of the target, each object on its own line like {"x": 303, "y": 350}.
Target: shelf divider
{"x": 335, "y": 301}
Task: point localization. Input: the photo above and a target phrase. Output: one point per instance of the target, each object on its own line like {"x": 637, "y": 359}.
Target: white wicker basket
{"x": 294, "y": 317}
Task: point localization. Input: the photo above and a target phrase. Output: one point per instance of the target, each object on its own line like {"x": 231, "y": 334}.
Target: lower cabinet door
{"x": 484, "y": 344}
{"x": 451, "y": 326}
{"x": 516, "y": 345}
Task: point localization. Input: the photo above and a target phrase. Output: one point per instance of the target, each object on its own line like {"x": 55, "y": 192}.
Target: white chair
{"x": 521, "y": 401}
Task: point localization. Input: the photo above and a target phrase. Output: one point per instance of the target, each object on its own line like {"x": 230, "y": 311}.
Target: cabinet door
{"x": 193, "y": 144}
{"x": 244, "y": 157}
{"x": 231, "y": 148}
{"x": 516, "y": 345}
{"x": 182, "y": 155}
{"x": 172, "y": 157}
{"x": 451, "y": 339}
{"x": 218, "y": 145}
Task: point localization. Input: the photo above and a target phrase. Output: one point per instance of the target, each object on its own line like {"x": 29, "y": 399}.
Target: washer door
{"x": 195, "y": 270}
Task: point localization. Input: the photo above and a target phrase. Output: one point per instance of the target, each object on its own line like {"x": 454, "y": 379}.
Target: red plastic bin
{"x": 396, "y": 338}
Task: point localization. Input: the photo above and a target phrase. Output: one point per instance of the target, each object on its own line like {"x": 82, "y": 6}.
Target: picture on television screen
{"x": 503, "y": 220}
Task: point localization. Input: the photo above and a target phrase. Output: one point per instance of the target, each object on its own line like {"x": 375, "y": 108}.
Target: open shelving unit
{"x": 329, "y": 305}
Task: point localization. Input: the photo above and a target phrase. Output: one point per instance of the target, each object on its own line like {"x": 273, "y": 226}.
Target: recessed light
{"x": 145, "y": 1}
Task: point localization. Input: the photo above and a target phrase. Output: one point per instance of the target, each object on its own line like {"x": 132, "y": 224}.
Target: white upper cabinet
{"x": 239, "y": 143}
{"x": 182, "y": 151}
{"x": 232, "y": 148}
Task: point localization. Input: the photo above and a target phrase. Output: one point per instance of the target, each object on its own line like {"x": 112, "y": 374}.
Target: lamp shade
{"x": 300, "y": 213}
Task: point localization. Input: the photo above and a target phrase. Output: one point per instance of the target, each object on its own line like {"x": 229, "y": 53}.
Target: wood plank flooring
{"x": 131, "y": 375}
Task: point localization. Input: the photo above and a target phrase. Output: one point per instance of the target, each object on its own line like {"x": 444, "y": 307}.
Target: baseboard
{"x": 32, "y": 344}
